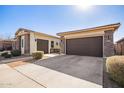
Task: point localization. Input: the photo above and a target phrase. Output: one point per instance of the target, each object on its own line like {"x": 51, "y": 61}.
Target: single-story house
{"x": 119, "y": 47}
{"x": 29, "y": 41}
{"x": 96, "y": 41}
{"x": 6, "y": 44}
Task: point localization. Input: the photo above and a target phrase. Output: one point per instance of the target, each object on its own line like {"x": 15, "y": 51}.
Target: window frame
{"x": 52, "y": 44}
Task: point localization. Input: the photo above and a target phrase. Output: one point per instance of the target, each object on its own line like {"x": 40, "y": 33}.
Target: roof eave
{"x": 20, "y": 29}
{"x": 115, "y": 26}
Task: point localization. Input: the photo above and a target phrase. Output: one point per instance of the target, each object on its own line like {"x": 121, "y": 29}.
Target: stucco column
{"x": 33, "y": 43}
{"x": 62, "y": 45}
{"x": 108, "y": 46}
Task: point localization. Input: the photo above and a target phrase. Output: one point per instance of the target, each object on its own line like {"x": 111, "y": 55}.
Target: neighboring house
{"x": 14, "y": 47}
{"x": 97, "y": 41}
{"x": 6, "y": 44}
{"x": 1, "y": 44}
{"x": 29, "y": 41}
{"x": 119, "y": 47}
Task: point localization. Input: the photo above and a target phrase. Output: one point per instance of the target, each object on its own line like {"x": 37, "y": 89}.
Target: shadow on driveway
{"x": 83, "y": 67}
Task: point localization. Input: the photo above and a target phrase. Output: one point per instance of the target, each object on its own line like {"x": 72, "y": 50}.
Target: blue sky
{"x": 54, "y": 19}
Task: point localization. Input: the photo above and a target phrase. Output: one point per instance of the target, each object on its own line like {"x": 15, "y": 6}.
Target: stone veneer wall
{"x": 27, "y": 43}
{"x": 108, "y": 47}
{"x": 18, "y": 43}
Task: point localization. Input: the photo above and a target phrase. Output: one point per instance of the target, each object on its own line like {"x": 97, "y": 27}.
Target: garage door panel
{"x": 42, "y": 45}
{"x": 91, "y": 46}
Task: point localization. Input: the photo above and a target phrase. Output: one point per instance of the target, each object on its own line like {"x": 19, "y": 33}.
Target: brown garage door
{"x": 90, "y": 46}
{"x": 42, "y": 45}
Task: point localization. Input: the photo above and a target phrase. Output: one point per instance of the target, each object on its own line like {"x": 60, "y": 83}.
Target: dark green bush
{"x": 115, "y": 67}
{"x": 1, "y": 49}
{"x": 16, "y": 52}
{"x": 38, "y": 54}
{"x": 8, "y": 56}
{"x": 4, "y": 54}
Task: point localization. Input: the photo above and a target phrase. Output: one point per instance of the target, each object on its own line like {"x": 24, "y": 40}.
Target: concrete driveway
{"x": 83, "y": 67}
{"x": 55, "y": 72}
{"x": 28, "y": 75}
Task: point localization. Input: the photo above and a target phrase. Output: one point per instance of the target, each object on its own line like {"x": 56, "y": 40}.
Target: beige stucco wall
{"x": 49, "y": 39}
{"x": 33, "y": 43}
{"x": 81, "y": 35}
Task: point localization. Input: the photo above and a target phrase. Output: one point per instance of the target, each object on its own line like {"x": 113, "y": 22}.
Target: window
{"x": 57, "y": 43}
{"x": 22, "y": 43}
{"x": 52, "y": 44}
{"x": 108, "y": 37}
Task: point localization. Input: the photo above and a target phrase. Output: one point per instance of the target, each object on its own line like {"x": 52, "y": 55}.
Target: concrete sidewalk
{"x": 50, "y": 78}
{"x": 27, "y": 75}
{"x": 11, "y": 78}
{"x": 25, "y": 58}
{"x": 15, "y": 59}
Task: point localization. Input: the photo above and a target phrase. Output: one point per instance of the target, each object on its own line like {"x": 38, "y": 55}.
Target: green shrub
{"x": 4, "y": 54}
{"x": 16, "y": 52}
{"x": 1, "y": 49}
{"x": 115, "y": 67}
{"x": 8, "y": 56}
{"x": 37, "y": 54}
